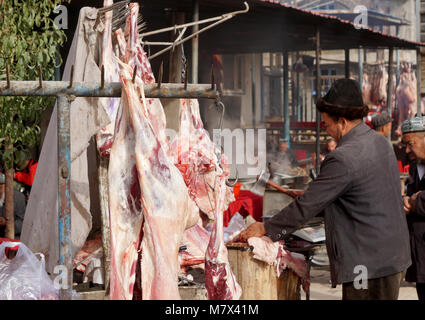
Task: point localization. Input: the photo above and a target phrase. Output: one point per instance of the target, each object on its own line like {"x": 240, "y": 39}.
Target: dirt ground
{"x": 321, "y": 289}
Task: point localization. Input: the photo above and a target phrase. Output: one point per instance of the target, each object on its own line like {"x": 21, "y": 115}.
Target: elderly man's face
{"x": 333, "y": 128}
{"x": 415, "y": 145}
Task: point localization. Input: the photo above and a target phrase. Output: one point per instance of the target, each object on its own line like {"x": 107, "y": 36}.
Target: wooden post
{"x": 102, "y": 164}
{"x": 253, "y": 88}
{"x": 9, "y": 204}
{"x": 298, "y": 92}
{"x": 361, "y": 67}
{"x": 418, "y": 81}
{"x": 171, "y": 106}
{"x": 318, "y": 94}
{"x": 195, "y": 43}
{"x": 347, "y": 63}
{"x": 285, "y": 96}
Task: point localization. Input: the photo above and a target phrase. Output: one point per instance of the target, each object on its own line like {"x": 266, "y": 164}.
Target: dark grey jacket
{"x": 359, "y": 191}
{"x": 416, "y": 224}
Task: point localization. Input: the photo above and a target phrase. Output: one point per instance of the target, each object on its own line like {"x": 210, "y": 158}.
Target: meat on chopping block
{"x": 274, "y": 253}
{"x": 105, "y": 137}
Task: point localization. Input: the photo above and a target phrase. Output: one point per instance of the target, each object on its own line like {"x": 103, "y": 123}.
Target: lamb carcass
{"x": 196, "y": 157}
{"x": 406, "y": 95}
{"x": 220, "y": 281}
{"x": 105, "y": 137}
{"x": 379, "y": 85}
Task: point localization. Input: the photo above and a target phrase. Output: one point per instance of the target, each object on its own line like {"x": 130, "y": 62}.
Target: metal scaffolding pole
{"x": 390, "y": 84}
{"x": 195, "y": 42}
{"x": 285, "y": 96}
{"x": 347, "y": 63}
{"x": 66, "y": 91}
{"x": 318, "y": 94}
{"x": 418, "y": 81}
{"x": 361, "y": 67}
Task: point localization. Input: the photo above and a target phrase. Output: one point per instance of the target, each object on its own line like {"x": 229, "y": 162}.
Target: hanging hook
{"x": 161, "y": 70}
{"x": 102, "y": 77}
{"x": 7, "y": 76}
{"x": 186, "y": 75}
{"x": 223, "y": 110}
{"x": 134, "y": 73}
{"x": 40, "y": 75}
{"x": 236, "y": 180}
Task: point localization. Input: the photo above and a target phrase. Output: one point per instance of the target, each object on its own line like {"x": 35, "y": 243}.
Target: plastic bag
{"x": 24, "y": 277}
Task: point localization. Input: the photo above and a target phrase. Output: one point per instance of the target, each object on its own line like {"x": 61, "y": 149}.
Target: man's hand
{"x": 2, "y": 222}
{"x": 406, "y": 204}
{"x": 254, "y": 230}
{"x": 413, "y": 201}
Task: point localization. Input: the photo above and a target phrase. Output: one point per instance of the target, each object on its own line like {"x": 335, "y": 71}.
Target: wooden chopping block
{"x": 258, "y": 279}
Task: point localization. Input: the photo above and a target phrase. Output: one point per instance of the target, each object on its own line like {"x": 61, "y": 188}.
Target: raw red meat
{"x": 194, "y": 154}
{"x": 274, "y": 253}
{"x": 196, "y": 241}
{"x": 167, "y": 208}
{"x": 220, "y": 281}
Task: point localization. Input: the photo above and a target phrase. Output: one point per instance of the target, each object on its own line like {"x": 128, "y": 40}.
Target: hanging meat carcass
{"x": 366, "y": 89}
{"x": 195, "y": 240}
{"x": 379, "y": 85}
{"x": 105, "y": 137}
{"x": 220, "y": 281}
{"x": 405, "y": 95}
{"x": 195, "y": 155}
{"x": 160, "y": 190}
{"x": 125, "y": 208}
{"x": 167, "y": 207}
{"x": 135, "y": 56}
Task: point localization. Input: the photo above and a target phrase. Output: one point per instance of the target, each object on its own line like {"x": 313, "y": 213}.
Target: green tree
{"x": 28, "y": 39}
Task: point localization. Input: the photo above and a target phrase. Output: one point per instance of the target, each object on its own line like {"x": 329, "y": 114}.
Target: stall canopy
{"x": 270, "y": 26}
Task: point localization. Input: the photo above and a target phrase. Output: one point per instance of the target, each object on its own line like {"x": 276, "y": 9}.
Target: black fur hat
{"x": 344, "y": 99}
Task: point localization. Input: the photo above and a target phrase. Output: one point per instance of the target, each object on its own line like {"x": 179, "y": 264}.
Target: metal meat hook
{"x": 223, "y": 110}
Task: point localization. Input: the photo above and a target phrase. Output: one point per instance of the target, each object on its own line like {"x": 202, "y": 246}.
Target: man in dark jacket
{"x": 358, "y": 189}
{"x": 414, "y": 202}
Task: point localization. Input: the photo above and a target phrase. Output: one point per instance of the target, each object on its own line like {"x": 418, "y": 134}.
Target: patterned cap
{"x": 416, "y": 124}
{"x": 381, "y": 119}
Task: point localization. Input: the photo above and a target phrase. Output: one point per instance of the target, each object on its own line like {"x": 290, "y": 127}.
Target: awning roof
{"x": 270, "y": 26}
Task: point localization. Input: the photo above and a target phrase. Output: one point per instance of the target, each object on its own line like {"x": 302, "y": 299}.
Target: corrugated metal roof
{"x": 367, "y": 31}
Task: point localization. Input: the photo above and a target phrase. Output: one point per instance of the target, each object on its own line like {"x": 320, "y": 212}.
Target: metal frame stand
{"x": 66, "y": 92}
